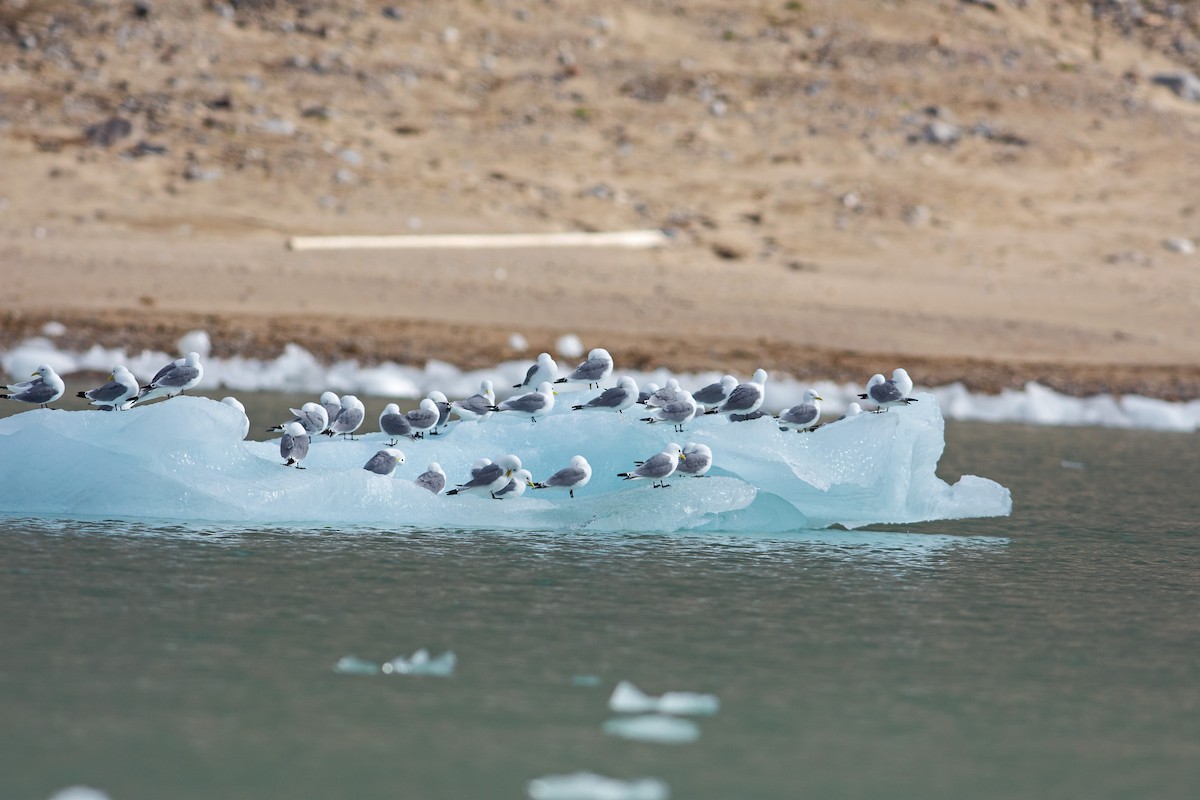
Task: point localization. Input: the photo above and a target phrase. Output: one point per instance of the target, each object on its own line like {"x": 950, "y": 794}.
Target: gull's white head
{"x": 348, "y": 400}
{"x": 396, "y": 455}
{"x": 435, "y": 467}
{"x": 429, "y": 405}
{"x": 329, "y": 398}
{"x": 900, "y": 374}
{"x": 673, "y": 384}
{"x": 314, "y": 408}
{"x": 674, "y": 450}
{"x": 390, "y": 408}
{"x": 192, "y": 359}
{"x": 485, "y": 388}
{"x": 698, "y": 449}
{"x": 525, "y": 476}
{"x": 628, "y": 384}
{"x": 876, "y": 379}
{"x": 729, "y": 383}
{"x": 811, "y": 395}
{"x": 545, "y": 360}
{"x": 853, "y": 410}
{"x": 437, "y": 397}
{"x": 652, "y": 387}
{"x": 599, "y": 354}
{"x": 545, "y": 388}
{"x": 293, "y": 429}
{"x": 760, "y": 376}
{"x": 509, "y": 463}
{"x": 579, "y": 462}
{"x": 44, "y": 371}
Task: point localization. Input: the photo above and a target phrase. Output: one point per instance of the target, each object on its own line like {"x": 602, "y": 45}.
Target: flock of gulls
{"x": 506, "y": 477}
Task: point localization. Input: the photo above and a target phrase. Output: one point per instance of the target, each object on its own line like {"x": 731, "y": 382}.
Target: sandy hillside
{"x": 986, "y": 191}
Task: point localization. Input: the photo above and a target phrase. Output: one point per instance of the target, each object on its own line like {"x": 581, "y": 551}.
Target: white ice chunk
{"x": 353, "y": 665}
{"x": 589, "y": 786}
{"x": 53, "y": 329}
{"x": 628, "y": 699}
{"x": 657, "y": 728}
{"x": 420, "y": 663}
{"x": 518, "y": 343}
{"x": 79, "y": 793}
{"x": 195, "y": 341}
{"x": 569, "y": 346}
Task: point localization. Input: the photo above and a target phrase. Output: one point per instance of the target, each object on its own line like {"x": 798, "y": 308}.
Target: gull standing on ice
{"x": 746, "y": 398}
{"x": 234, "y": 403}
{"x": 310, "y": 416}
{"x": 477, "y": 407}
{"x": 657, "y": 468}
{"x": 332, "y": 404}
{"x": 902, "y": 381}
{"x": 521, "y": 480}
{"x": 116, "y": 394}
{"x": 394, "y": 424}
{"x": 697, "y": 459}
{"x": 679, "y": 411}
{"x": 575, "y": 476}
{"x": 714, "y": 394}
{"x": 384, "y": 462}
{"x": 423, "y": 418}
{"x": 45, "y": 388}
{"x": 489, "y": 477}
{"x": 533, "y": 405}
{"x": 884, "y": 394}
{"x": 443, "y": 407}
{"x": 175, "y": 378}
{"x": 432, "y": 478}
{"x": 618, "y": 398}
{"x": 597, "y": 368}
{"x": 350, "y": 416}
{"x": 544, "y": 369}
{"x": 664, "y": 395}
{"x": 802, "y": 417}
{"x": 852, "y": 410}
{"x": 293, "y": 445}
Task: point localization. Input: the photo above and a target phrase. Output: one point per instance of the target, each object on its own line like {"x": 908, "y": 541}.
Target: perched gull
{"x": 678, "y": 412}
{"x": 233, "y": 402}
{"x": 331, "y": 403}
{"x": 597, "y": 368}
{"x": 618, "y": 398}
{"x": 884, "y": 394}
{"x": 423, "y": 418}
{"x": 293, "y": 446}
{"x": 45, "y": 388}
{"x": 714, "y": 394}
{"x": 311, "y": 416}
{"x": 394, "y": 424}
{"x": 432, "y": 478}
{"x": 544, "y": 370}
{"x": 902, "y": 381}
{"x": 384, "y": 462}
{"x": 664, "y": 395}
{"x": 697, "y": 459}
{"x": 746, "y": 398}
{"x": 647, "y": 390}
{"x": 521, "y": 480}
{"x": 175, "y": 378}
{"x": 350, "y": 416}
{"x": 115, "y": 395}
{"x": 852, "y": 410}
{"x": 477, "y": 407}
{"x": 575, "y": 476}
{"x": 489, "y": 477}
{"x": 443, "y": 407}
{"x": 532, "y": 405}
{"x": 657, "y": 468}
{"x": 802, "y": 417}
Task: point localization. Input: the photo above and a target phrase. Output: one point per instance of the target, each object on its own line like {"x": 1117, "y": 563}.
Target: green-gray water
{"x": 1053, "y": 654}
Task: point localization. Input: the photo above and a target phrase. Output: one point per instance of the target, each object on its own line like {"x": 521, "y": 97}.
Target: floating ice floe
{"x": 79, "y": 793}
{"x": 656, "y": 728}
{"x": 353, "y": 665}
{"x": 184, "y": 459}
{"x": 589, "y": 786}
{"x": 422, "y": 664}
{"x": 628, "y": 699}
{"x": 298, "y": 370}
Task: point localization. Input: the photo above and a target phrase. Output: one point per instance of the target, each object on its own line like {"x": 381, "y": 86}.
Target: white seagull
{"x": 175, "y": 378}
{"x": 597, "y": 368}
{"x": 575, "y": 476}
{"x": 544, "y": 369}
{"x": 618, "y": 398}
{"x": 746, "y": 398}
{"x": 657, "y": 468}
{"x": 802, "y": 417}
{"x": 115, "y": 395}
{"x": 533, "y": 405}
{"x": 477, "y": 407}
{"x": 45, "y": 388}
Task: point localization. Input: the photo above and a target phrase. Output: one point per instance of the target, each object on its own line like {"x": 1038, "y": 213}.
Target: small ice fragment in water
{"x": 589, "y": 786}
{"x": 658, "y": 728}
{"x": 1071, "y": 464}
{"x": 53, "y": 329}
{"x": 569, "y": 346}
{"x": 421, "y": 664}
{"x": 518, "y": 342}
{"x": 628, "y": 699}
{"x": 353, "y": 665}
{"x": 590, "y": 681}
{"x": 79, "y": 793}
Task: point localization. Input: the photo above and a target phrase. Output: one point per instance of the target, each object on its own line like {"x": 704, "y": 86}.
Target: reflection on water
{"x": 1051, "y": 654}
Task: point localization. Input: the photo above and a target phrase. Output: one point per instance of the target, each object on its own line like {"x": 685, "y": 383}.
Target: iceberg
{"x": 184, "y": 460}
{"x": 422, "y": 664}
{"x": 628, "y": 699}
{"x": 655, "y": 728}
{"x": 589, "y": 786}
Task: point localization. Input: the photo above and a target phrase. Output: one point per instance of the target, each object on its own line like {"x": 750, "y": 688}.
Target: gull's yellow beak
{"x": 508, "y": 473}
{"x": 553, "y": 391}
{"x": 822, "y": 399}
{"x": 112, "y": 376}
{"x": 682, "y": 457}
{"x": 531, "y": 486}
{"x": 33, "y": 374}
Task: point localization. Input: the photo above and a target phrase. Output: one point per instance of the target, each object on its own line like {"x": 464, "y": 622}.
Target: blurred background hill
{"x": 991, "y": 190}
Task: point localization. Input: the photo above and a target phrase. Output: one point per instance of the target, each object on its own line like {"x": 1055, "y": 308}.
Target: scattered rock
{"x": 195, "y": 172}
{"x": 728, "y": 251}
{"x": 144, "y": 148}
{"x": 1180, "y": 245}
{"x": 345, "y": 177}
{"x": 393, "y": 12}
{"x": 1183, "y": 84}
{"x": 105, "y": 134}
{"x": 1135, "y": 258}
{"x": 351, "y": 157}
{"x": 941, "y": 132}
{"x": 916, "y": 216}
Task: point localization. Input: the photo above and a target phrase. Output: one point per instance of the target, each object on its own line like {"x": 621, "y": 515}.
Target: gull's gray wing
{"x": 695, "y": 462}
{"x": 443, "y": 412}
{"x": 433, "y": 481}
{"x": 566, "y": 477}
{"x": 395, "y": 425}
{"x": 742, "y": 398}
{"x": 420, "y": 418}
{"x": 332, "y": 410}
{"x": 38, "y": 392}
{"x": 381, "y": 464}
{"x": 293, "y": 446}
{"x": 526, "y": 403}
{"x": 799, "y": 415}
{"x": 509, "y": 487}
{"x": 162, "y": 373}
{"x": 349, "y": 419}
{"x": 107, "y": 393}
{"x": 173, "y": 376}
{"x": 609, "y": 398}
{"x": 710, "y": 395}
{"x": 591, "y": 370}
{"x": 676, "y": 410}
{"x": 312, "y": 421}
{"x": 484, "y": 476}
{"x": 475, "y": 404}
{"x": 658, "y": 466}
{"x": 528, "y": 376}
{"x": 885, "y": 392}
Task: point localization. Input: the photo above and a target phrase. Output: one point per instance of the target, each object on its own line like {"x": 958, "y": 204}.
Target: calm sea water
{"x": 1053, "y": 654}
